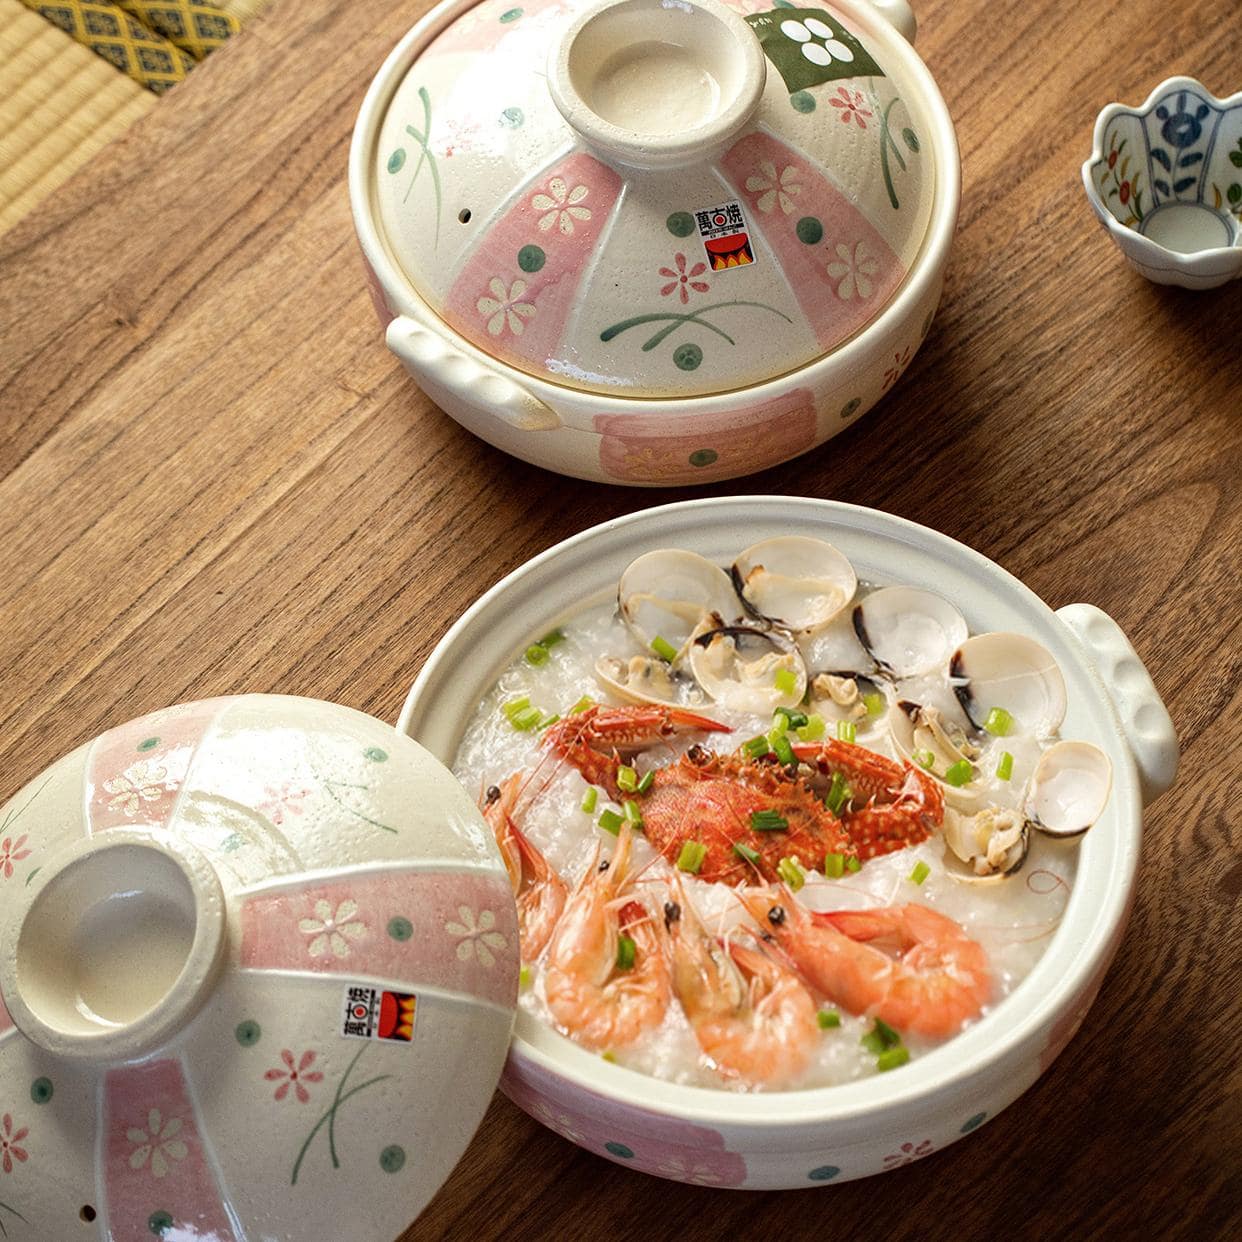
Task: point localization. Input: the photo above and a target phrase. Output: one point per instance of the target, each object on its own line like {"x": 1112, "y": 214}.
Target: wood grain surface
{"x": 214, "y": 478}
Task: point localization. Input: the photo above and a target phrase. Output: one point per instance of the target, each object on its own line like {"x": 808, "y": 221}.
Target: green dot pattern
{"x": 375, "y": 754}
{"x": 912, "y": 139}
{"x": 619, "y": 1149}
{"x": 400, "y": 928}
{"x": 802, "y": 101}
{"x": 248, "y": 1033}
{"x": 512, "y": 118}
{"x": 510, "y": 15}
{"x": 392, "y": 1159}
{"x": 41, "y": 1090}
{"x": 159, "y": 1223}
{"x": 687, "y": 357}
{"x": 810, "y": 231}
{"x": 531, "y": 258}
{"x": 850, "y": 407}
{"x": 149, "y": 743}
{"x": 680, "y": 224}
{"x": 703, "y": 457}
{"x": 396, "y": 161}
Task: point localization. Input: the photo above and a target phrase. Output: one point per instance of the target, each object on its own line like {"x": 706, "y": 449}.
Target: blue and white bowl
{"x": 1165, "y": 180}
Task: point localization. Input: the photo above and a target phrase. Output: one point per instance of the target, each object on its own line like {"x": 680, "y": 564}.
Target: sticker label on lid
{"x": 371, "y": 1013}
{"x": 726, "y": 239}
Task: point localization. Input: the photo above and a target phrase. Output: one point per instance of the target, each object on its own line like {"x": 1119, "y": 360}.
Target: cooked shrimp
{"x": 539, "y": 891}
{"x": 752, "y": 1016}
{"x": 595, "y": 1000}
{"x": 909, "y": 965}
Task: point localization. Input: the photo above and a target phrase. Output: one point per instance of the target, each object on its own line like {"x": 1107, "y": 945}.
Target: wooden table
{"x": 216, "y": 479}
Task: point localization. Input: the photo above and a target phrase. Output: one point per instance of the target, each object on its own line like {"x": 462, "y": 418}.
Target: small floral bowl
{"x": 1165, "y": 180}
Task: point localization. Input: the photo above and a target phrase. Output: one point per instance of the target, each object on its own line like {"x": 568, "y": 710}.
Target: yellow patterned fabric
{"x": 145, "y": 56}
{"x": 194, "y": 26}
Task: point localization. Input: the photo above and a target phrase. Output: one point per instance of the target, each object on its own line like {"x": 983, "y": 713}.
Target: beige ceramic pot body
{"x": 547, "y": 271}
{"x": 807, "y": 1138}
{"x": 258, "y": 960}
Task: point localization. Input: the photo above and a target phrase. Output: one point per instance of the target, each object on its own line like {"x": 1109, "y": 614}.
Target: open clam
{"x": 1069, "y": 789}
{"x": 794, "y": 581}
{"x": 1011, "y": 672}
{"x": 919, "y": 730}
{"x": 908, "y": 631}
{"x": 843, "y": 696}
{"x": 992, "y": 843}
{"x": 748, "y": 669}
{"x": 645, "y": 679}
{"x": 666, "y": 594}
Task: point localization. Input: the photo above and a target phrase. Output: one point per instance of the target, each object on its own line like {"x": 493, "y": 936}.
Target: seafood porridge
{"x": 769, "y": 827}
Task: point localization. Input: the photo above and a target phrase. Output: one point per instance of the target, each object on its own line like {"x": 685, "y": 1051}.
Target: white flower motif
{"x": 684, "y": 1171}
{"x": 560, "y": 206}
{"x": 562, "y": 1123}
{"x": 819, "y": 44}
{"x": 775, "y": 189}
{"x": 159, "y": 1143}
{"x": 504, "y": 307}
{"x": 332, "y": 931}
{"x": 477, "y": 938}
{"x": 854, "y": 271}
{"x": 143, "y": 782}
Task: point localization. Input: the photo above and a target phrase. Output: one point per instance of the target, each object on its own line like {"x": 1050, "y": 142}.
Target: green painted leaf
{"x": 1234, "y": 193}
{"x": 1235, "y": 158}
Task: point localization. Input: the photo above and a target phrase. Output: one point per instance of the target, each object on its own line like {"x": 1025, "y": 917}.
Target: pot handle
{"x": 427, "y": 353}
{"x": 1144, "y": 718}
{"x": 898, "y": 13}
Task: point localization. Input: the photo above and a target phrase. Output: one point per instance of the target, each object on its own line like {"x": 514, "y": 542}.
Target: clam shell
{"x": 908, "y": 631}
{"x": 644, "y": 679}
{"x": 736, "y": 666}
{"x": 983, "y": 848}
{"x": 1069, "y": 789}
{"x": 1010, "y": 671}
{"x": 914, "y": 727}
{"x": 668, "y": 592}
{"x": 794, "y": 581}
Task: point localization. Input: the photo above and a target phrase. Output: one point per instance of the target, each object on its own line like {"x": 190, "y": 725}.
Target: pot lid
{"x": 260, "y": 965}
{"x": 654, "y": 197}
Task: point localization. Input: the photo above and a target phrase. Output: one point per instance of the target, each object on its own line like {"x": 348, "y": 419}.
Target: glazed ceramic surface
{"x": 1165, "y": 180}
{"x": 807, "y": 1138}
{"x": 259, "y": 968}
{"x": 654, "y": 243}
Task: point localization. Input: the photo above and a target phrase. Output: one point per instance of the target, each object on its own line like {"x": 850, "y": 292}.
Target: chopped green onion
{"x": 610, "y": 821}
{"x": 853, "y": 864}
{"x": 846, "y": 731}
{"x": 746, "y": 853}
{"x": 536, "y": 655}
{"x": 839, "y": 794}
{"x": 786, "y": 680}
{"x": 874, "y": 703}
{"x": 524, "y": 977}
{"x": 784, "y": 752}
{"x": 632, "y": 813}
{"x": 834, "y": 866}
{"x": 589, "y": 800}
{"x": 768, "y": 821}
{"x": 880, "y": 1037}
{"x": 960, "y": 773}
{"x": 550, "y": 640}
{"x": 646, "y": 782}
{"x": 780, "y": 725}
{"x": 891, "y": 1058}
{"x": 813, "y": 730}
{"x": 526, "y": 719}
{"x": 610, "y": 1057}
{"x": 920, "y": 873}
{"x": 756, "y": 746}
{"x": 1004, "y": 769}
{"x": 627, "y": 779}
{"x": 581, "y": 705}
{"x": 925, "y": 759}
{"x": 548, "y": 721}
{"x": 790, "y": 870}
{"x": 664, "y": 649}
{"x": 999, "y": 722}
{"x": 793, "y": 719}
{"x": 513, "y": 706}
{"x": 691, "y": 857}
{"x": 625, "y": 953}
{"x": 827, "y": 1019}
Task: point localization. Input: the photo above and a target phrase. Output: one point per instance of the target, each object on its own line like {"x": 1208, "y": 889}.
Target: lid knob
{"x": 657, "y": 83}
{"x": 116, "y": 947}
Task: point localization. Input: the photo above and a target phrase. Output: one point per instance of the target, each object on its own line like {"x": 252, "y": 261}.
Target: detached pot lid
{"x": 654, "y": 197}
{"x": 259, "y": 971}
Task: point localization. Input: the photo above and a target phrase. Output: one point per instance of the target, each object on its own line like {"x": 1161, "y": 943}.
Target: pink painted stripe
{"x": 137, "y": 770}
{"x": 843, "y": 280}
{"x": 455, "y": 930}
{"x": 6, "y": 1023}
{"x": 155, "y": 1159}
{"x": 520, "y": 316}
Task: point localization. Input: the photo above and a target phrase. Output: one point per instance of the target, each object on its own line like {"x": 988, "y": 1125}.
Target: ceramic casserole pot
{"x": 803, "y": 1138}
{"x": 649, "y": 242}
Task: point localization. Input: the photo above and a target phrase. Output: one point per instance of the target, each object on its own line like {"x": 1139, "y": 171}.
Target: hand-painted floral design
{"x": 478, "y": 937}
{"x": 561, "y": 206}
{"x": 295, "y": 1074}
{"x": 282, "y": 800}
{"x": 10, "y": 852}
{"x": 159, "y": 1143}
{"x": 691, "y": 1171}
{"x": 143, "y": 782}
{"x": 1117, "y": 181}
{"x": 562, "y": 1123}
{"x": 774, "y": 189}
{"x": 908, "y": 1154}
{"x": 332, "y": 930}
{"x": 505, "y": 307}
{"x": 9, "y": 1144}
{"x": 681, "y": 279}
{"x": 851, "y": 105}
{"x": 853, "y": 269}
{"x": 899, "y": 365}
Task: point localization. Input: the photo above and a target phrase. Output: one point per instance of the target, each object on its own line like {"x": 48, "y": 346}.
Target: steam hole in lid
{"x": 87, "y": 1213}
{"x": 464, "y": 215}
